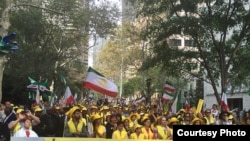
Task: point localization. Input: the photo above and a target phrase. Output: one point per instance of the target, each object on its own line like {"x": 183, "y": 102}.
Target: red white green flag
{"x": 223, "y": 103}
{"x": 97, "y": 82}
{"x": 169, "y": 88}
{"x": 69, "y": 99}
{"x": 166, "y": 97}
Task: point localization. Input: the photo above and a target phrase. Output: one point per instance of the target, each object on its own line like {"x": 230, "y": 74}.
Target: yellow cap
{"x": 93, "y": 107}
{"x": 84, "y": 108}
{"x": 108, "y": 114}
{"x": 137, "y": 126}
{"x": 144, "y": 118}
{"x": 38, "y": 109}
{"x": 173, "y": 119}
{"x": 134, "y": 114}
{"x": 35, "y": 107}
{"x": 196, "y": 119}
{"x": 125, "y": 118}
{"x": 72, "y": 110}
{"x": 230, "y": 117}
{"x": 182, "y": 110}
{"x": 115, "y": 106}
{"x": 96, "y": 116}
{"x": 105, "y": 108}
{"x": 19, "y": 110}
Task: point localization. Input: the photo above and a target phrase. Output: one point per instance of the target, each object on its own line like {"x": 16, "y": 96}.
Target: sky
{"x": 90, "y": 53}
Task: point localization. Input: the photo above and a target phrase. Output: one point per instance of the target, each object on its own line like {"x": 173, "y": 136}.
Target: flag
{"x": 187, "y": 106}
{"x": 52, "y": 99}
{"x": 176, "y": 104}
{"x": 140, "y": 100}
{"x": 97, "y": 82}
{"x": 37, "y": 85}
{"x": 169, "y": 88}
{"x": 166, "y": 97}
{"x": 75, "y": 96}
{"x": 41, "y": 87}
{"x": 223, "y": 102}
{"x": 32, "y": 81}
{"x": 63, "y": 81}
{"x": 68, "y": 97}
{"x": 37, "y": 96}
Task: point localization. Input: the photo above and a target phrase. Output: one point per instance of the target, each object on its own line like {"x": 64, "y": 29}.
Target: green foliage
{"x": 219, "y": 29}
{"x": 53, "y": 41}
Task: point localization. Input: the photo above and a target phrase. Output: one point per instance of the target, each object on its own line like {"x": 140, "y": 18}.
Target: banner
{"x": 199, "y": 106}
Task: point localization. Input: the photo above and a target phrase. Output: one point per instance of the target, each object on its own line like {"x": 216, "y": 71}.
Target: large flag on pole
{"x": 97, "y": 82}
{"x": 223, "y": 102}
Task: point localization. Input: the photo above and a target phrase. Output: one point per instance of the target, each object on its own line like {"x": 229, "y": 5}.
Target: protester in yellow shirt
{"x": 76, "y": 126}
{"x": 120, "y": 133}
{"x": 99, "y": 129}
{"x": 146, "y": 128}
{"x": 137, "y": 134}
{"x": 163, "y": 130}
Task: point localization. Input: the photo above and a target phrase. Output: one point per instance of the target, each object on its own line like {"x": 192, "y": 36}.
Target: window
{"x": 189, "y": 43}
{"x": 175, "y": 42}
{"x": 235, "y": 103}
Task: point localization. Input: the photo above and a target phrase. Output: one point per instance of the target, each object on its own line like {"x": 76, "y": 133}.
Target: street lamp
{"x": 148, "y": 83}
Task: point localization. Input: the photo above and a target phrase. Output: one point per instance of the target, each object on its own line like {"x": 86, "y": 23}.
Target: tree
{"x": 217, "y": 33}
{"x": 54, "y": 37}
{"x": 121, "y": 50}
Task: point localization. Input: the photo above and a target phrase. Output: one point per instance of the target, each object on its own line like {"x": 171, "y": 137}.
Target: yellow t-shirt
{"x": 101, "y": 130}
{"x": 135, "y": 136}
{"x": 147, "y": 133}
{"x": 119, "y": 134}
{"x": 162, "y": 133}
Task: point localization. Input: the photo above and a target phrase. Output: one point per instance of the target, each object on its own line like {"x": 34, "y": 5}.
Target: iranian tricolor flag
{"x": 169, "y": 88}
{"x": 223, "y": 102}
{"x": 140, "y": 100}
{"x": 166, "y": 97}
{"x": 187, "y": 105}
{"x": 68, "y": 97}
{"x": 97, "y": 82}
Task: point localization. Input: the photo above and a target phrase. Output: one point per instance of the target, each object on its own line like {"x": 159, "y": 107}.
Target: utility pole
{"x": 121, "y": 79}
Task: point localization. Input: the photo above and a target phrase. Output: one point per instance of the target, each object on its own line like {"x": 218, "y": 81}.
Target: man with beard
{"x": 76, "y": 126}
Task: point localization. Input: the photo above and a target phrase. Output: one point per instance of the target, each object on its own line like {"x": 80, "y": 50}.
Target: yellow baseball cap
{"x": 19, "y": 111}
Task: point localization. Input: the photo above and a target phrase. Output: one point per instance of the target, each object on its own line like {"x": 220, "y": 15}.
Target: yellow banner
{"x": 89, "y": 139}
{"x": 199, "y": 106}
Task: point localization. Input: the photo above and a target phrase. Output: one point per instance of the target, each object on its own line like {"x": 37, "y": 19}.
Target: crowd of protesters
{"x": 105, "y": 121}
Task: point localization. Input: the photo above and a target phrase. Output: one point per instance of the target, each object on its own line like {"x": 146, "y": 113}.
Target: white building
{"x": 238, "y": 99}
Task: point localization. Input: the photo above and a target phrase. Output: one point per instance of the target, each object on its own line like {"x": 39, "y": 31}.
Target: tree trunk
{"x": 5, "y": 23}
{"x": 2, "y": 61}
